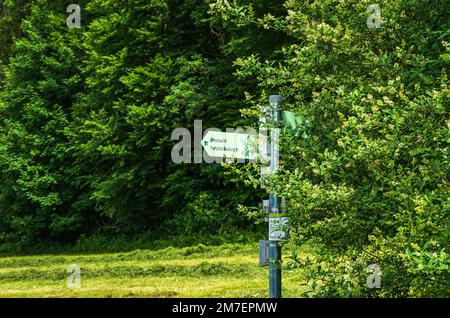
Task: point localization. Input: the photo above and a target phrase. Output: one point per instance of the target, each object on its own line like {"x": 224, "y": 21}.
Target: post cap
{"x": 275, "y": 98}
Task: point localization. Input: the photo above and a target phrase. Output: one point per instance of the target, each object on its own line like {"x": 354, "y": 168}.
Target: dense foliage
{"x": 367, "y": 180}
{"x": 86, "y": 117}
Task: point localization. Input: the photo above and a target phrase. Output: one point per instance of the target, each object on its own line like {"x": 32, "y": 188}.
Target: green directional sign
{"x": 291, "y": 120}
{"x": 230, "y": 145}
{"x": 296, "y": 124}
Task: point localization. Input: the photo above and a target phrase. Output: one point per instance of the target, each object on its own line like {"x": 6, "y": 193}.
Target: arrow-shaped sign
{"x": 230, "y": 145}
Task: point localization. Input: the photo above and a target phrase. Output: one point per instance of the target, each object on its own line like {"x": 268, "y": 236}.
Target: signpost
{"x": 277, "y": 222}
{"x": 245, "y": 146}
{"x": 274, "y": 202}
{"x": 230, "y": 145}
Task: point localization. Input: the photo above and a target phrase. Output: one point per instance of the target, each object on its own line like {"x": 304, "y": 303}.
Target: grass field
{"x": 230, "y": 270}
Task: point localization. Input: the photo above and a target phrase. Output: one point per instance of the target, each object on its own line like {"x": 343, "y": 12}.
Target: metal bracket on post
{"x": 266, "y": 208}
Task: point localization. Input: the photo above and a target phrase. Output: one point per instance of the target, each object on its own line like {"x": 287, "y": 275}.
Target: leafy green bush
{"x": 367, "y": 181}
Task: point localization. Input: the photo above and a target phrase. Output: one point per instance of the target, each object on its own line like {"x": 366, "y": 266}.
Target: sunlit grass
{"x": 199, "y": 271}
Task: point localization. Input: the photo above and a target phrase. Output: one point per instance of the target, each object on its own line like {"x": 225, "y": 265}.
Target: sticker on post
{"x": 278, "y": 228}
